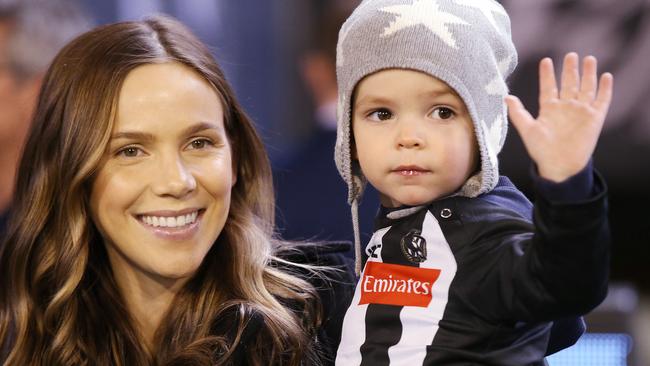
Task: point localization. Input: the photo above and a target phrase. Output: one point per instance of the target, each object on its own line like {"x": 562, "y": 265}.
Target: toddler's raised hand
{"x": 563, "y": 137}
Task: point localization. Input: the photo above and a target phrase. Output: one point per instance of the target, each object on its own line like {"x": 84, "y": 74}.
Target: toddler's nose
{"x": 409, "y": 135}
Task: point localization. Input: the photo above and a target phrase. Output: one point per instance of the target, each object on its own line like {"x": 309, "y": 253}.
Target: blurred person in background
{"x": 31, "y": 33}
{"x": 310, "y": 194}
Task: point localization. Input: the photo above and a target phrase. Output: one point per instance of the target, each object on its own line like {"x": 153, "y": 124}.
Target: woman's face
{"x": 162, "y": 194}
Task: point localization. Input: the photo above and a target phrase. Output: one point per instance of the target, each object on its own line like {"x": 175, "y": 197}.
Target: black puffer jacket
{"x": 478, "y": 281}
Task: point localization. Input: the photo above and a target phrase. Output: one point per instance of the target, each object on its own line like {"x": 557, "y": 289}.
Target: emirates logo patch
{"x": 393, "y": 284}
{"x": 414, "y": 246}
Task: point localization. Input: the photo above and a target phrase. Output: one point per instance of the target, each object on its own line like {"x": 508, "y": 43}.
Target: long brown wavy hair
{"x": 59, "y": 303}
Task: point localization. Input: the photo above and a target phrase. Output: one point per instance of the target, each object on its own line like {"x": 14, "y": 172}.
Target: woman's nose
{"x": 174, "y": 178}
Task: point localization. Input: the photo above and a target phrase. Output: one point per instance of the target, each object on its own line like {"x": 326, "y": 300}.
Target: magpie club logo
{"x": 414, "y": 246}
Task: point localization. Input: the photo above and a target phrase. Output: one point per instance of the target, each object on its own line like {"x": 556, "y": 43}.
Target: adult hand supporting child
{"x": 563, "y": 137}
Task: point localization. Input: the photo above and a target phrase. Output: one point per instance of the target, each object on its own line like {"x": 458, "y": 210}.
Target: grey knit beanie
{"x": 465, "y": 43}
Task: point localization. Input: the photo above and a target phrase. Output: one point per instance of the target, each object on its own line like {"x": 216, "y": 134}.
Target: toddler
{"x": 462, "y": 269}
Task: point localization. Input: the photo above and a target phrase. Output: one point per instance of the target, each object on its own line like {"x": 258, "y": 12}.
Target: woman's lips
{"x": 162, "y": 228}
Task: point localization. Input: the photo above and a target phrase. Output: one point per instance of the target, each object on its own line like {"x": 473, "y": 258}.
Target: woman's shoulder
{"x": 332, "y": 275}
{"x": 328, "y": 266}
{"x": 321, "y": 254}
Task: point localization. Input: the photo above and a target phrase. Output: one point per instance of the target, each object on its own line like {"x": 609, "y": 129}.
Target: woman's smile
{"x": 181, "y": 225}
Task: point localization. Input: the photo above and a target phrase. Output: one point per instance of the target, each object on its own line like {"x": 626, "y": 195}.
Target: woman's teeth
{"x": 177, "y": 221}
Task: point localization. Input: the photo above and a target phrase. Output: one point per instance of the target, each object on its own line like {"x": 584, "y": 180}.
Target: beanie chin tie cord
{"x": 354, "y": 209}
{"x": 394, "y": 215}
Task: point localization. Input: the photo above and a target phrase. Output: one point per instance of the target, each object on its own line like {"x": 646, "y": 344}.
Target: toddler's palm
{"x": 563, "y": 137}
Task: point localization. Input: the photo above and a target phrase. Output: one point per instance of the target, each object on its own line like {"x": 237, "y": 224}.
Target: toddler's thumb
{"x": 519, "y": 116}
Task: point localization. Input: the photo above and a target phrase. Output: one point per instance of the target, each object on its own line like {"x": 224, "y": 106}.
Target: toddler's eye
{"x": 442, "y": 113}
{"x": 380, "y": 115}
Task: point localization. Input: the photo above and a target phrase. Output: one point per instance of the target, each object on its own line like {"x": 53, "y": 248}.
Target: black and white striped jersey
{"x": 472, "y": 281}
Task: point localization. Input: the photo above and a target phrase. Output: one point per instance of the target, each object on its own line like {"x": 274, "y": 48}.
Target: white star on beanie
{"x": 485, "y": 7}
{"x": 340, "y": 58}
{"x": 426, "y": 13}
{"x": 497, "y": 86}
{"x": 493, "y": 134}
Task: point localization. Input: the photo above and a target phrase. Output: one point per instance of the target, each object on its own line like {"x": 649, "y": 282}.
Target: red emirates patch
{"x": 393, "y": 284}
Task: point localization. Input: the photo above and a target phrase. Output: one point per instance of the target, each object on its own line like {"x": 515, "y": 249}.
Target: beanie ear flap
{"x": 472, "y": 186}
{"x": 358, "y": 182}
{"x": 353, "y": 147}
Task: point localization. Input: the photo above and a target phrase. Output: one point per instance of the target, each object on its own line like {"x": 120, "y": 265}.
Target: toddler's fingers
{"x": 519, "y": 116}
{"x": 570, "y": 77}
{"x": 605, "y": 90}
{"x": 547, "y": 82}
{"x": 589, "y": 79}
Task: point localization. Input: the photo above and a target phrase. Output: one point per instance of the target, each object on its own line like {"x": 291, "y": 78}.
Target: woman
{"x": 145, "y": 217}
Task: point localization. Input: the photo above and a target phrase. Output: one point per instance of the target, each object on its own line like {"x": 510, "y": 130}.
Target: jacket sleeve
{"x": 557, "y": 267}
{"x": 563, "y": 268}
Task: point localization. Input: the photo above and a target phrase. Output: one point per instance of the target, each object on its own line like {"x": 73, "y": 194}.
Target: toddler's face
{"x": 413, "y": 135}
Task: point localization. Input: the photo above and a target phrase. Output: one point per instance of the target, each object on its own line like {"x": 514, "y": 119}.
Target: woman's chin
{"x": 174, "y": 271}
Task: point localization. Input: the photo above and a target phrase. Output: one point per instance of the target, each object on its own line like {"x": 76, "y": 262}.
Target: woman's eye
{"x": 130, "y": 152}
{"x": 200, "y": 144}
{"x": 442, "y": 113}
{"x": 380, "y": 115}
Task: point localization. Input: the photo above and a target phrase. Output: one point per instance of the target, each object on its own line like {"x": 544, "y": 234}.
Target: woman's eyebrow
{"x": 148, "y": 137}
{"x": 133, "y": 135}
{"x": 202, "y": 126}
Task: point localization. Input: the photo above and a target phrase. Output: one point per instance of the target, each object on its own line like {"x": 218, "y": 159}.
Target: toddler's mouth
{"x": 410, "y": 170}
